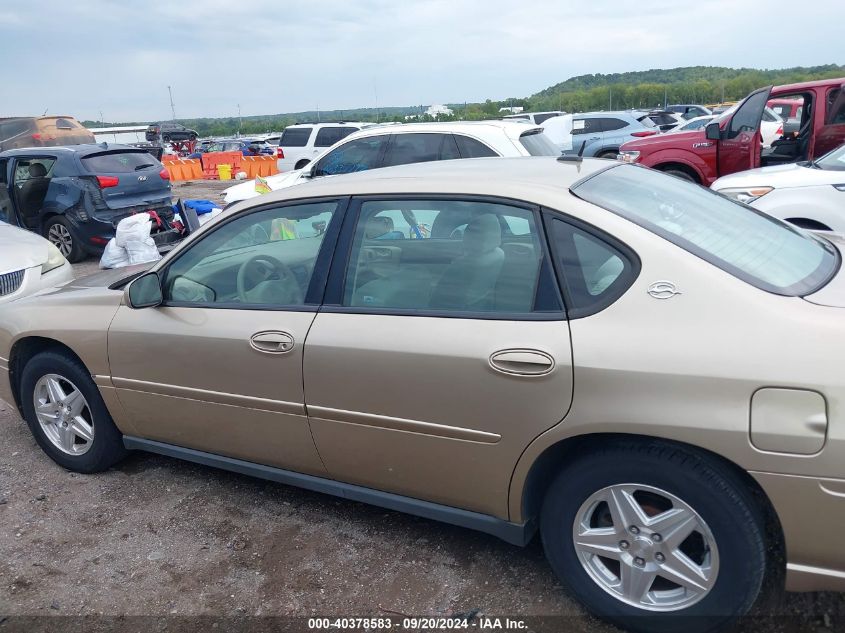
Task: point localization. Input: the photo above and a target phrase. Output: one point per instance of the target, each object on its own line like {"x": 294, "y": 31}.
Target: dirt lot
{"x": 159, "y": 537}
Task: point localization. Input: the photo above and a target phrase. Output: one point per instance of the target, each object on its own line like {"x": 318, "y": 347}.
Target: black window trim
{"x": 316, "y": 287}
{"x": 623, "y": 283}
{"x": 547, "y": 289}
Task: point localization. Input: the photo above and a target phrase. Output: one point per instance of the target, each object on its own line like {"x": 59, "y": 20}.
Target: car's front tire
{"x": 655, "y": 537}
{"x": 59, "y": 232}
{"x": 66, "y": 414}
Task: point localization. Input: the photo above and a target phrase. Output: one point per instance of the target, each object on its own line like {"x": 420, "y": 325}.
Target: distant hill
{"x": 692, "y": 74}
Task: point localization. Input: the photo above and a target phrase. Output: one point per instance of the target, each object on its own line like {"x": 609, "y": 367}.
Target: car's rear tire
{"x": 66, "y": 414}
{"x": 612, "y": 155}
{"x": 632, "y": 582}
{"x": 679, "y": 173}
{"x": 60, "y": 233}
{"x": 166, "y": 138}
{"x": 301, "y": 163}
{"x": 192, "y": 137}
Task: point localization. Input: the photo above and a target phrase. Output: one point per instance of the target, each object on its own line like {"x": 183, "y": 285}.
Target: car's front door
{"x": 442, "y": 349}
{"x": 739, "y": 146}
{"x": 218, "y": 366}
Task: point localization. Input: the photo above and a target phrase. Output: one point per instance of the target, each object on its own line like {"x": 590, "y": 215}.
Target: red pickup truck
{"x": 731, "y": 142}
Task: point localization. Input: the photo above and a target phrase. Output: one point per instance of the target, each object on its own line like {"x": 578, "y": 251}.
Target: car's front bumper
{"x": 812, "y": 514}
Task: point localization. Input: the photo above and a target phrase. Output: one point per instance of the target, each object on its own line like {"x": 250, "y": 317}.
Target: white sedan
{"x": 391, "y": 145}
{"x": 808, "y": 194}
{"x": 28, "y": 263}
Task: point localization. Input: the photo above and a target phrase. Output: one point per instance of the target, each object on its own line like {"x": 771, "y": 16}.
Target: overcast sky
{"x": 271, "y": 56}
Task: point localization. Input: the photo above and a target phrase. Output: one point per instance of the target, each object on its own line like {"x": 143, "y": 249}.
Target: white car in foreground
{"x": 389, "y": 145}
{"x": 808, "y": 194}
{"x": 28, "y": 263}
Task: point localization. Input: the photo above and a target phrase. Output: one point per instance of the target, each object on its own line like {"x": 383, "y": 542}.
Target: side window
{"x": 358, "y": 155}
{"x": 747, "y": 117}
{"x": 405, "y": 149}
{"x": 595, "y": 272}
{"x": 33, "y": 168}
{"x": 477, "y": 257}
{"x": 295, "y": 136}
{"x": 585, "y": 126}
{"x": 610, "y": 124}
{"x": 328, "y": 136}
{"x": 835, "y": 113}
{"x": 470, "y": 148}
{"x": 265, "y": 258}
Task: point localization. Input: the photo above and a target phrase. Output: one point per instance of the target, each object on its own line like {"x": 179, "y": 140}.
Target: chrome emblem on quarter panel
{"x": 663, "y": 290}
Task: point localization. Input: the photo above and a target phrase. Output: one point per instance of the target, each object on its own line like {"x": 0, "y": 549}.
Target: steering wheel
{"x": 267, "y": 268}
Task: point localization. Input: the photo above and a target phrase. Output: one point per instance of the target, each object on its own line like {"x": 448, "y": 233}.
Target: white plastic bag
{"x": 133, "y": 235}
{"x": 133, "y": 228}
{"x": 114, "y": 256}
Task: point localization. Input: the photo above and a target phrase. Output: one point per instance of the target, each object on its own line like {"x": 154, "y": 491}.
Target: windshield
{"x": 748, "y": 244}
{"x": 538, "y": 144}
{"x": 834, "y": 160}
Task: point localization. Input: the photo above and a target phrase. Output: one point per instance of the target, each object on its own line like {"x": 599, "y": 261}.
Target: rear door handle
{"x": 271, "y": 342}
{"x": 522, "y": 362}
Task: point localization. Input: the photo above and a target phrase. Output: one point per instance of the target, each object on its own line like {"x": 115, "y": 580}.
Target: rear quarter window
{"x": 538, "y": 144}
{"x": 328, "y": 136}
{"x": 295, "y": 137}
{"x": 118, "y": 162}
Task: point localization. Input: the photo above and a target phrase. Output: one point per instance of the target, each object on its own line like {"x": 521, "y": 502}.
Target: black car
{"x": 169, "y": 131}
{"x": 75, "y": 195}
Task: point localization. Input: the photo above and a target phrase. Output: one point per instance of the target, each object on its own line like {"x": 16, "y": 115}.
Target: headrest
{"x": 37, "y": 170}
{"x": 482, "y": 235}
{"x": 376, "y": 226}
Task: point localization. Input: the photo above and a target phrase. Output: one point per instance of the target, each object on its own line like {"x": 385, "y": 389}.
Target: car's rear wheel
{"x": 192, "y": 137}
{"x": 654, "y": 537}
{"x": 166, "y": 138}
{"x": 612, "y": 155}
{"x": 66, "y": 414}
{"x": 59, "y": 232}
{"x": 301, "y": 163}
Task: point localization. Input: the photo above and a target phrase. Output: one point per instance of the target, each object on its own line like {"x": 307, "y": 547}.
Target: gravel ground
{"x": 159, "y": 537}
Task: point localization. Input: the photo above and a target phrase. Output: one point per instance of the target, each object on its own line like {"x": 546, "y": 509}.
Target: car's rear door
{"x": 586, "y": 132}
{"x": 441, "y": 351}
{"x": 218, "y": 366}
{"x": 832, "y": 133}
{"x": 739, "y": 146}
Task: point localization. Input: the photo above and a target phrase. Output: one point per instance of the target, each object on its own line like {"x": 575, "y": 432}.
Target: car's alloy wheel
{"x": 64, "y": 414}
{"x": 67, "y": 416}
{"x": 646, "y": 547}
{"x": 60, "y": 237}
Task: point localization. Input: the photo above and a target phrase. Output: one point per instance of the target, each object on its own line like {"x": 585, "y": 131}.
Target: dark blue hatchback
{"x": 75, "y": 195}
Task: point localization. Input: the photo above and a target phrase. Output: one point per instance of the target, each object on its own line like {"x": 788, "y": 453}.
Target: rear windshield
{"x": 538, "y": 144}
{"x": 742, "y": 241}
{"x": 118, "y": 162}
{"x": 295, "y": 137}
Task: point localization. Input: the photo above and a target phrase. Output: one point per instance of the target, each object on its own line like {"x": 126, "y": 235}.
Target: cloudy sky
{"x": 90, "y": 56}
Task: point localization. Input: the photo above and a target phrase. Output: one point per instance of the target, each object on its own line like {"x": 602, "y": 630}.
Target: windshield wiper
{"x": 144, "y": 166}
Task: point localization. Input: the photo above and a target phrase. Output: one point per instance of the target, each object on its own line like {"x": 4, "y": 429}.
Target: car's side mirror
{"x": 144, "y": 291}
{"x": 307, "y": 171}
{"x": 712, "y": 131}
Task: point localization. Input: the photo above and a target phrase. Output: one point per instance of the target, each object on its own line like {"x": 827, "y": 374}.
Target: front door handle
{"x": 271, "y": 342}
{"x": 522, "y": 362}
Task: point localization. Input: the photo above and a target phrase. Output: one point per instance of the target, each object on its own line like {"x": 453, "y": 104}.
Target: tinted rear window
{"x": 295, "y": 137}
{"x": 328, "y": 136}
{"x": 748, "y": 244}
{"x": 538, "y": 144}
{"x": 118, "y": 162}
{"x": 470, "y": 148}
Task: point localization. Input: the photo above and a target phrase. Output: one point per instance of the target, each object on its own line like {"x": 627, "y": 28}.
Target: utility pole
{"x": 610, "y": 105}
{"x": 172, "y": 107}
{"x": 239, "y": 120}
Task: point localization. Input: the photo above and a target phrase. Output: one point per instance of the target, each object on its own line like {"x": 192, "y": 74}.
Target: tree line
{"x": 585, "y": 93}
